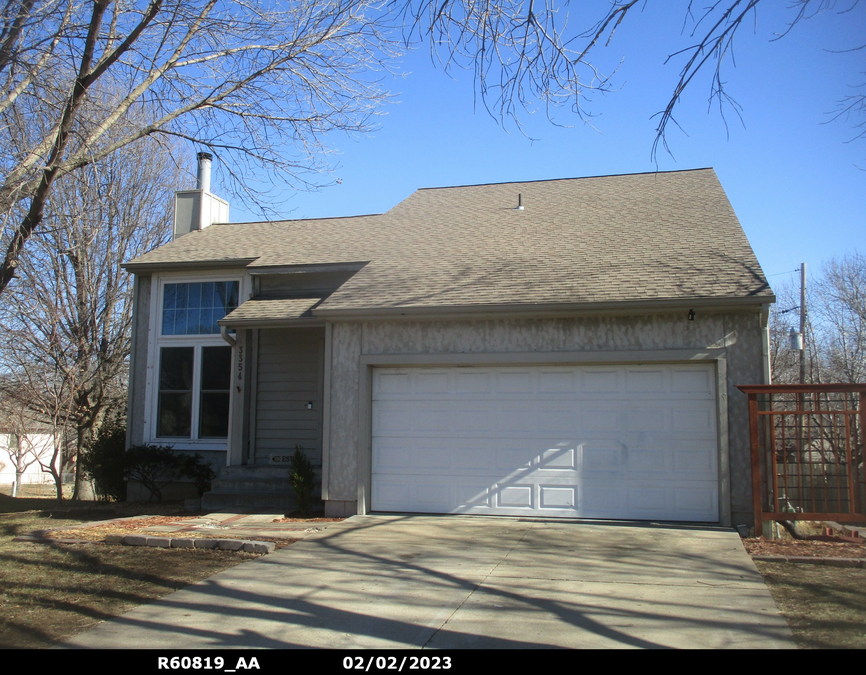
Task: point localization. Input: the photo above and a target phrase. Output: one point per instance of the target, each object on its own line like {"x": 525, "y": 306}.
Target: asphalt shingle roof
{"x": 607, "y": 239}
{"x": 255, "y": 311}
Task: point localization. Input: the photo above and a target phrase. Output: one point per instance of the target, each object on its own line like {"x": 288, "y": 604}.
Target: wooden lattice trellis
{"x": 807, "y": 445}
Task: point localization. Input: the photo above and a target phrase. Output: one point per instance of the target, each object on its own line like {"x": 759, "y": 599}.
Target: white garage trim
{"x": 715, "y": 357}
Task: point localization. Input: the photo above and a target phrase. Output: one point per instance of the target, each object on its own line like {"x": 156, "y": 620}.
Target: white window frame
{"x": 155, "y": 344}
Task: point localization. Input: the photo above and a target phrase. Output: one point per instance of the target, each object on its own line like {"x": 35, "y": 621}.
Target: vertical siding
{"x": 290, "y": 363}
{"x": 135, "y": 431}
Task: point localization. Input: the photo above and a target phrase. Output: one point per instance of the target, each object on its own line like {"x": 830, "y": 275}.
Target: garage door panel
{"x": 517, "y": 417}
{"x": 392, "y": 493}
{"x": 478, "y": 456}
{"x": 559, "y": 417}
{"x": 515, "y": 382}
{"x": 600, "y": 380}
{"x": 691, "y": 418}
{"x": 648, "y": 460}
{"x": 599, "y": 499}
{"x": 390, "y": 383}
{"x": 699, "y": 502}
{"x": 469, "y": 381}
{"x": 648, "y": 500}
{"x": 557, "y": 497}
{"x": 690, "y": 459}
{"x": 515, "y": 496}
{"x": 559, "y": 459}
{"x": 556, "y": 382}
{"x": 595, "y": 418}
{"x": 391, "y": 413}
{"x": 598, "y": 455}
{"x": 389, "y": 456}
{"x": 432, "y": 382}
{"x": 592, "y": 441}
{"x": 640, "y": 418}
{"x": 516, "y": 458}
{"x": 692, "y": 381}
{"x": 646, "y": 380}
{"x": 433, "y": 495}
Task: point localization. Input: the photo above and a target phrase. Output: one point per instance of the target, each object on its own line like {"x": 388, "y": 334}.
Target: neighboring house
{"x": 26, "y": 450}
{"x": 561, "y": 348}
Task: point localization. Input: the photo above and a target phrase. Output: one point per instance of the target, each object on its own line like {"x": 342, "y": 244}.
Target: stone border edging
{"x": 813, "y": 560}
{"x": 248, "y": 546}
{"x": 261, "y": 547}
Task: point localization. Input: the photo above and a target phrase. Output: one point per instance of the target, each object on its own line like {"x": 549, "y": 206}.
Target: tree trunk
{"x": 83, "y": 441}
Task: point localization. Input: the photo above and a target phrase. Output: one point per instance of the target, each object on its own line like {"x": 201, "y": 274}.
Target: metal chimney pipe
{"x": 202, "y": 179}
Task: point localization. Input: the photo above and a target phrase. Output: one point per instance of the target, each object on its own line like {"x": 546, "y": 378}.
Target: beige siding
{"x": 289, "y": 376}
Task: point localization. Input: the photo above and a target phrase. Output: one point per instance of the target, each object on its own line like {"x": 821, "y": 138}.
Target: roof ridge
{"x": 553, "y": 180}
{"x": 298, "y": 220}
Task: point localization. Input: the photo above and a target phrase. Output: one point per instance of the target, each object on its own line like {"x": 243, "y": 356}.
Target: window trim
{"x": 155, "y": 344}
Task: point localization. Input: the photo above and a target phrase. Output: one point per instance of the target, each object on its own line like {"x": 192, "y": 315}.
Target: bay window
{"x": 194, "y": 364}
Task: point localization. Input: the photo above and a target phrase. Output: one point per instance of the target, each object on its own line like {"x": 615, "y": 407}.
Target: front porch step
{"x": 254, "y": 471}
{"x": 251, "y": 487}
{"x": 252, "y": 484}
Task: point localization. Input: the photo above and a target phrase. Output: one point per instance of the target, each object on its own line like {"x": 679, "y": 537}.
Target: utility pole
{"x": 803, "y": 322}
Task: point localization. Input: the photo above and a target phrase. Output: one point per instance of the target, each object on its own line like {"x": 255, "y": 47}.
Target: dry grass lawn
{"x": 50, "y": 591}
{"x": 824, "y": 606}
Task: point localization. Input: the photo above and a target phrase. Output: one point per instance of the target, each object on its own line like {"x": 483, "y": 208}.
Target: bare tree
{"x": 29, "y": 417}
{"x": 67, "y": 318}
{"x": 835, "y": 337}
{"x": 22, "y": 446}
{"x": 262, "y": 81}
{"x": 785, "y": 316}
{"x": 840, "y": 305}
{"x": 242, "y": 78}
{"x": 525, "y": 51}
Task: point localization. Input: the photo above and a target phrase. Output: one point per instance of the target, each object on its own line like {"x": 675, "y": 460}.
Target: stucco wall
{"x": 739, "y": 334}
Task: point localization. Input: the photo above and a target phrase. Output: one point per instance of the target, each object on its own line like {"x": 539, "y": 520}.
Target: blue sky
{"x": 793, "y": 178}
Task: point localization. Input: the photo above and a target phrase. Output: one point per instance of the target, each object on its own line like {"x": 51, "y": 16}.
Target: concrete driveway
{"x": 472, "y": 582}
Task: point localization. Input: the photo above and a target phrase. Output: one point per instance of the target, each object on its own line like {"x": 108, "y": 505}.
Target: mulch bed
{"x": 96, "y": 532}
{"x": 817, "y": 549}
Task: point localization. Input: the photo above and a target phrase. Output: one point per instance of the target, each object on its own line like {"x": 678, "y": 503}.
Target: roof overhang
{"x": 150, "y": 267}
{"x": 269, "y": 313}
{"x": 549, "y": 310}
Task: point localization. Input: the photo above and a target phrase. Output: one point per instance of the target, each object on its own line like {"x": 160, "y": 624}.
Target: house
{"x": 23, "y": 452}
{"x": 558, "y": 348}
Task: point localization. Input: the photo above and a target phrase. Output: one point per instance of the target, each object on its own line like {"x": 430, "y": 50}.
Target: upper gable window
{"x": 195, "y": 308}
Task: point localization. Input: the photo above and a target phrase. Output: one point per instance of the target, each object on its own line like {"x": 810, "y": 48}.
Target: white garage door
{"x": 637, "y": 442}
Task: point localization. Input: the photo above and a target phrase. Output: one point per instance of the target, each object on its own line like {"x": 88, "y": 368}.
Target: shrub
{"x": 104, "y": 462}
{"x": 155, "y": 466}
{"x": 198, "y": 471}
{"x": 303, "y": 479}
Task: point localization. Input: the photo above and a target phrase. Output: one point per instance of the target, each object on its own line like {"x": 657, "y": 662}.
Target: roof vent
{"x": 202, "y": 179}
{"x": 519, "y": 206}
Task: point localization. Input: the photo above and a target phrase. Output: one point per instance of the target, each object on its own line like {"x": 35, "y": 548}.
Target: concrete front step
{"x": 253, "y": 471}
{"x": 224, "y": 499}
{"x": 251, "y": 487}
{"x": 252, "y": 484}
